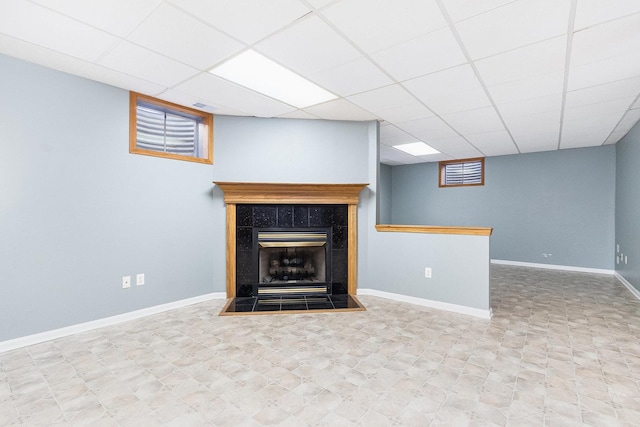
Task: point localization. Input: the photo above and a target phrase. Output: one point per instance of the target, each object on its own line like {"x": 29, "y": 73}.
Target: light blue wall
{"x": 559, "y": 203}
{"x": 78, "y": 212}
{"x": 252, "y": 149}
{"x": 384, "y": 184}
{"x": 460, "y": 267}
{"x": 628, "y": 205}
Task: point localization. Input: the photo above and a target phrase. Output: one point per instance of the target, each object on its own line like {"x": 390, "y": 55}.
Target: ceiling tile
{"x": 308, "y": 47}
{"x": 425, "y": 54}
{"x": 431, "y": 158}
{"x": 628, "y": 120}
{"x": 605, "y": 53}
{"x": 531, "y": 132}
{"x": 375, "y": 25}
{"x": 404, "y": 113}
{"x": 392, "y": 135}
{"x": 602, "y": 93}
{"x": 53, "y": 30}
{"x": 607, "y": 111}
{"x": 78, "y": 67}
{"x": 636, "y": 104}
{"x": 544, "y": 132}
{"x": 351, "y": 78}
{"x": 474, "y": 121}
{"x": 382, "y": 98}
{"x": 340, "y": 109}
{"x": 142, "y": 63}
{"x": 538, "y": 143}
{"x": 246, "y": 20}
{"x": 602, "y": 41}
{"x": 605, "y": 71}
{"x": 591, "y": 12}
{"x": 515, "y": 24}
{"x": 221, "y": 92}
{"x": 547, "y": 122}
{"x": 584, "y": 136}
{"x": 528, "y": 107}
{"x": 317, "y": 4}
{"x": 188, "y": 100}
{"x": 297, "y": 114}
{"x": 392, "y": 156}
{"x": 449, "y": 91}
{"x": 548, "y": 84}
{"x": 493, "y": 143}
{"x": 449, "y": 143}
{"x": 615, "y": 136}
{"x": 175, "y": 34}
{"x": 118, "y": 17}
{"x": 463, "y": 9}
{"x": 390, "y": 103}
{"x": 428, "y": 129}
{"x": 457, "y": 148}
{"x": 535, "y": 59}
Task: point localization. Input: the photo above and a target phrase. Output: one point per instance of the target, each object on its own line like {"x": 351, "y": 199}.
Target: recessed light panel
{"x": 416, "y": 149}
{"x": 256, "y": 72}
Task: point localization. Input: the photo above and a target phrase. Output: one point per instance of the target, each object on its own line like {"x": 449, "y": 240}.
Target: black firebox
{"x": 291, "y": 250}
{"x": 292, "y": 261}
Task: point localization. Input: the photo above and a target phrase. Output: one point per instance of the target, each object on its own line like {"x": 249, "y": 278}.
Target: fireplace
{"x": 253, "y": 208}
{"x": 292, "y": 262}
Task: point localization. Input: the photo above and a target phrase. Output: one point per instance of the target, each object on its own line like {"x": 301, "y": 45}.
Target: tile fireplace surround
{"x": 256, "y": 197}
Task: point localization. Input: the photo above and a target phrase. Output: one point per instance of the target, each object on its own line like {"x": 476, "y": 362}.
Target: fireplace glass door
{"x": 293, "y": 261}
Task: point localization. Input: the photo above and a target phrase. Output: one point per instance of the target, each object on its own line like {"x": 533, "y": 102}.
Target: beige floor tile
{"x": 562, "y": 349}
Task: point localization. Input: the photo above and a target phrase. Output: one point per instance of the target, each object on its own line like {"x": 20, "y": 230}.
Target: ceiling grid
{"x": 468, "y": 78}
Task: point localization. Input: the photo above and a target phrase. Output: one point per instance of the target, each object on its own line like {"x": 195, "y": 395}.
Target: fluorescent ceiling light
{"x": 417, "y": 149}
{"x": 256, "y": 72}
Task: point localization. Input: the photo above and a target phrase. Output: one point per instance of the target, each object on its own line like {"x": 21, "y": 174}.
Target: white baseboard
{"x": 107, "y": 321}
{"x": 553, "y": 267}
{"x": 476, "y": 312}
{"x": 628, "y": 285}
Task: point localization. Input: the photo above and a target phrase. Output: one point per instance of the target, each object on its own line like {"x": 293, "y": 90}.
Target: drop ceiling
{"x": 468, "y": 77}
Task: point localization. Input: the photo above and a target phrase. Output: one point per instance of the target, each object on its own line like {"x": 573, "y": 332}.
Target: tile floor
{"x": 562, "y": 349}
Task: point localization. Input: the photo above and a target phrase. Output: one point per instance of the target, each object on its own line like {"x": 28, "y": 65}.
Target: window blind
{"x": 159, "y": 130}
{"x": 463, "y": 173}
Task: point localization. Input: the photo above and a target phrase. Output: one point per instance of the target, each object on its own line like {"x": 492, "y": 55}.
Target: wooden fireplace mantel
{"x": 260, "y": 192}
{"x": 291, "y": 194}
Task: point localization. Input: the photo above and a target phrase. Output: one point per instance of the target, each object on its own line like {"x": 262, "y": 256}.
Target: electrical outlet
{"x": 427, "y": 272}
{"x": 126, "y": 282}
{"x": 139, "y": 279}
{"x": 625, "y": 259}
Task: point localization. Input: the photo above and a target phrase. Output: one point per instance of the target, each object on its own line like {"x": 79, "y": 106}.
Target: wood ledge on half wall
{"x": 433, "y": 229}
{"x": 290, "y": 193}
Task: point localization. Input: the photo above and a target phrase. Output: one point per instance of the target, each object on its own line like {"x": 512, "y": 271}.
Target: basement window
{"x": 163, "y": 129}
{"x": 459, "y": 173}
